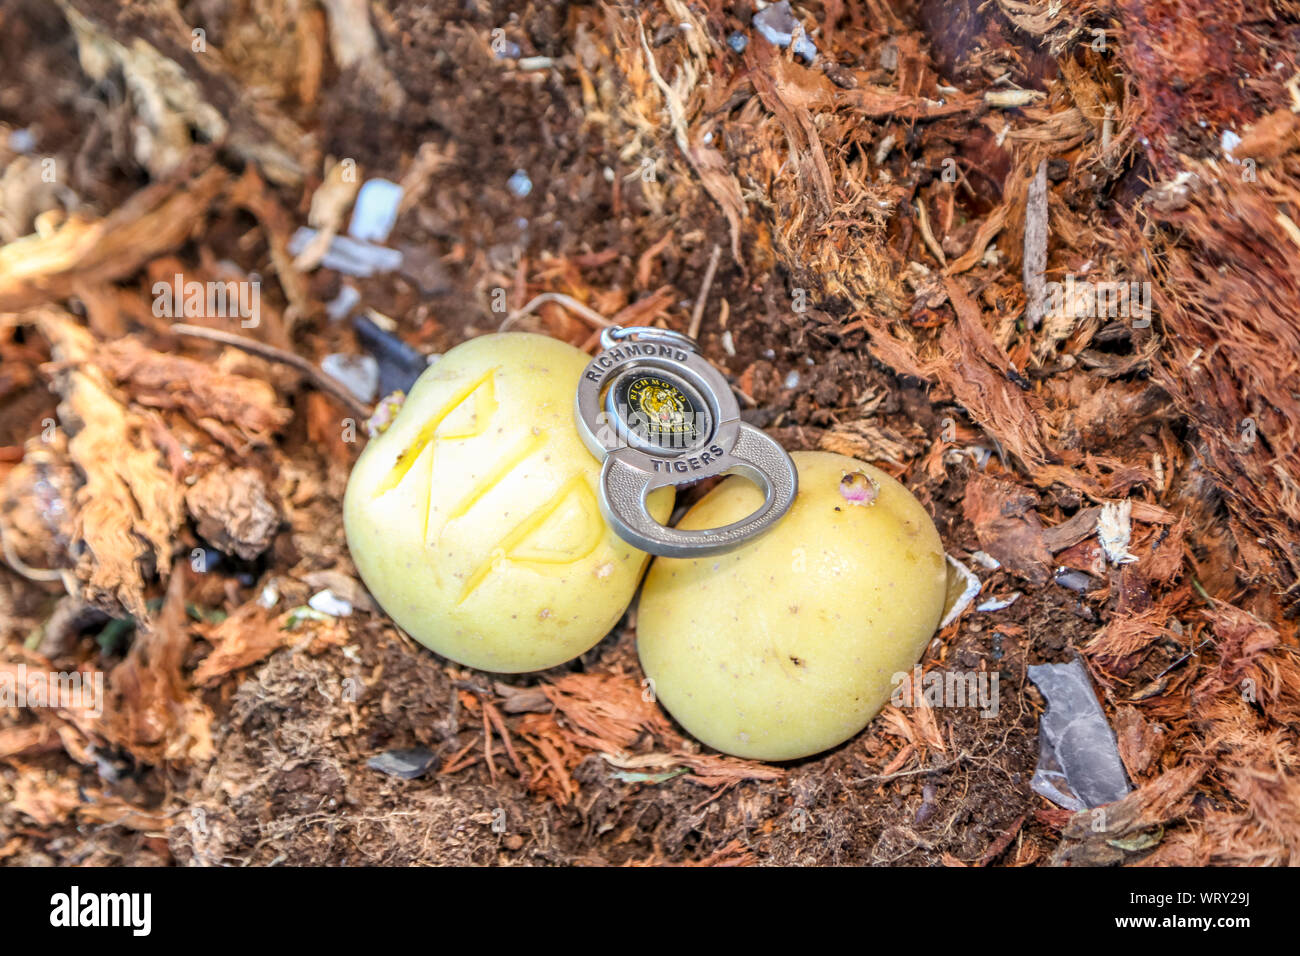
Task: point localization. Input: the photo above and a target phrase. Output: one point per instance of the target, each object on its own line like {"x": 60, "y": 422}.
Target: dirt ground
{"x": 864, "y": 301}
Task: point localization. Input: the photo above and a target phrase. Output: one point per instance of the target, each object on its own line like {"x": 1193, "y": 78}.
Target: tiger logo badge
{"x": 662, "y": 411}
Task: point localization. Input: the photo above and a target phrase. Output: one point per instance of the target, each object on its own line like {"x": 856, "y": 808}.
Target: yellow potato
{"x": 788, "y": 645}
{"x": 473, "y": 519}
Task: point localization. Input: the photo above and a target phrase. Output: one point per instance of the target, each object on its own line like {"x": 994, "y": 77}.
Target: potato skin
{"x": 473, "y": 519}
{"x": 787, "y": 646}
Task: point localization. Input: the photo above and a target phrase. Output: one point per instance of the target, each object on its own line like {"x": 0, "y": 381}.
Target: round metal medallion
{"x": 659, "y": 414}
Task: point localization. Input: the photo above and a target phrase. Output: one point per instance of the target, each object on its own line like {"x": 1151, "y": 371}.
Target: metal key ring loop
{"x": 659, "y": 414}
{"x": 611, "y": 336}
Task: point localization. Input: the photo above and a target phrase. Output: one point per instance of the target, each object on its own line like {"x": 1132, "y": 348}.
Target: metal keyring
{"x": 659, "y": 414}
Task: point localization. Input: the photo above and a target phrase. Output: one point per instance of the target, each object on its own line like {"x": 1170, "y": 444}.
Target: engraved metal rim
{"x": 602, "y": 439}
{"x": 704, "y": 432}
{"x": 629, "y": 473}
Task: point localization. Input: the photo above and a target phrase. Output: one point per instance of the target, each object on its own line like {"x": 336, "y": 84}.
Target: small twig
{"x": 697, "y": 313}
{"x": 1182, "y": 660}
{"x": 454, "y": 764}
{"x": 997, "y": 847}
{"x": 487, "y": 747}
{"x": 499, "y": 723}
{"x": 923, "y": 220}
{"x": 473, "y": 688}
{"x": 881, "y": 777}
{"x": 568, "y": 301}
{"x": 1036, "y": 230}
{"x": 318, "y": 378}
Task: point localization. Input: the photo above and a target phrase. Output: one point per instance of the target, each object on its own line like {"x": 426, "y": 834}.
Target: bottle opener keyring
{"x": 659, "y": 414}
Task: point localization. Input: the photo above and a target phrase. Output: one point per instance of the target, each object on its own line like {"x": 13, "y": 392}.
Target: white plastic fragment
{"x": 778, "y": 26}
{"x": 999, "y": 604}
{"x": 22, "y": 141}
{"x": 375, "y": 212}
{"x": 1229, "y": 141}
{"x": 342, "y": 303}
{"x": 350, "y": 256}
{"x": 359, "y": 374}
{"x": 963, "y": 577}
{"x": 326, "y": 602}
{"x": 519, "y": 183}
{"x": 269, "y": 597}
